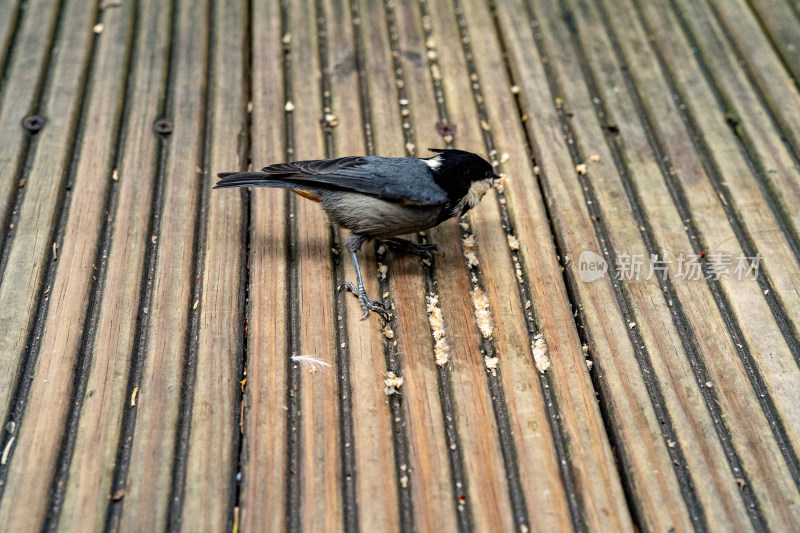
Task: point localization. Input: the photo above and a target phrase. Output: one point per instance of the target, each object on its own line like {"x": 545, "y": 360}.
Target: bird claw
{"x": 367, "y": 303}
{"x": 425, "y": 251}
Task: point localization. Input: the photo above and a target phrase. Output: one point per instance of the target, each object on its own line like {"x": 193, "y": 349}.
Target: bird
{"x": 381, "y": 197}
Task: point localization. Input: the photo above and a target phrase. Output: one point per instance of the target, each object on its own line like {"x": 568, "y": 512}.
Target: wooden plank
{"x": 433, "y": 475}
{"x": 32, "y": 228}
{"x": 477, "y": 436}
{"x": 40, "y": 432}
{"x": 213, "y": 448}
{"x": 8, "y": 28}
{"x": 752, "y": 211}
{"x": 39, "y": 437}
{"x": 157, "y": 405}
{"x": 535, "y": 439}
{"x": 781, "y": 22}
{"x": 263, "y": 460}
{"x": 763, "y": 65}
{"x": 656, "y": 491}
{"x": 88, "y": 489}
{"x": 752, "y": 302}
{"x": 584, "y": 426}
{"x": 733, "y": 395}
{"x": 377, "y": 496}
{"x": 320, "y": 470}
{"x": 746, "y": 107}
{"x": 25, "y": 62}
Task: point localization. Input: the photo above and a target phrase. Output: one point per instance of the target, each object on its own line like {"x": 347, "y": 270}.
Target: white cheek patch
{"x": 434, "y": 162}
{"x": 476, "y": 192}
{"x": 473, "y": 196}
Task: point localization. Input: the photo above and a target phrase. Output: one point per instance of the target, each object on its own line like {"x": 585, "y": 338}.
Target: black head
{"x": 463, "y": 175}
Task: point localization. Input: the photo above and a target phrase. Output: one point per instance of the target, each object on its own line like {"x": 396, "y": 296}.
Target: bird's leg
{"x": 425, "y": 251}
{"x": 353, "y": 243}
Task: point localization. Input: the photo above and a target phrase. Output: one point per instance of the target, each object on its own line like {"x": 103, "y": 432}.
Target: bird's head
{"x": 463, "y": 175}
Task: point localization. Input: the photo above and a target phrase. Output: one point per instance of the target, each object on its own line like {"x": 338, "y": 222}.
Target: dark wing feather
{"x": 399, "y": 180}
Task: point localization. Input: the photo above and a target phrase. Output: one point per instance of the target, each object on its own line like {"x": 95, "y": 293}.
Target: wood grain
{"x": 212, "y": 461}
{"x": 157, "y": 405}
{"x": 263, "y": 459}
{"x": 89, "y": 487}
{"x": 39, "y": 436}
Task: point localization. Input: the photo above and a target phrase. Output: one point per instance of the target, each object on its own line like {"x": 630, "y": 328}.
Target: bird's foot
{"x": 367, "y": 303}
{"x": 424, "y": 251}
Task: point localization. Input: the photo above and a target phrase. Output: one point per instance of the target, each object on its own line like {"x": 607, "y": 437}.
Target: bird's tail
{"x": 249, "y": 179}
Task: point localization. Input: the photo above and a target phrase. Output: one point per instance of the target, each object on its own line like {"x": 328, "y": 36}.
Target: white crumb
{"x": 393, "y": 383}
{"x": 441, "y": 350}
{"x": 482, "y": 314}
{"x": 491, "y": 364}
{"x": 469, "y": 250}
{"x": 540, "y": 357}
{"x": 513, "y": 243}
{"x": 382, "y": 270}
{"x": 289, "y": 107}
{"x": 581, "y": 168}
{"x": 589, "y": 364}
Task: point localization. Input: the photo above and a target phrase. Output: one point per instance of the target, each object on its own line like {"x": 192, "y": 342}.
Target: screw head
{"x": 34, "y": 123}
{"x": 163, "y": 126}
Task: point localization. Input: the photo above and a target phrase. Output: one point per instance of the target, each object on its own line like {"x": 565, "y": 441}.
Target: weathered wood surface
{"x": 148, "y": 322}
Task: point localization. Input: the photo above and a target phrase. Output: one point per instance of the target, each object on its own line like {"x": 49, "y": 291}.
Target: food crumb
{"x": 441, "y": 351}
{"x": 393, "y": 383}
{"x": 388, "y": 333}
{"x": 386, "y": 294}
{"x": 585, "y": 348}
{"x": 133, "y": 396}
{"x": 589, "y": 364}
{"x": 382, "y": 270}
{"x": 410, "y": 147}
{"x": 469, "y": 250}
{"x": 484, "y": 125}
{"x": 594, "y": 158}
{"x": 482, "y": 314}
{"x": 539, "y": 350}
{"x": 515, "y": 89}
{"x": 500, "y": 184}
{"x": 98, "y": 28}
{"x": 381, "y": 249}
{"x": 289, "y": 107}
{"x": 491, "y": 364}
{"x": 513, "y": 243}
{"x": 404, "y": 481}
{"x": 580, "y": 168}
{"x": 632, "y": 325}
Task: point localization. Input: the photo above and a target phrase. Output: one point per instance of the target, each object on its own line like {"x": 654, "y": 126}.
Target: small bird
{"x": 381, "y": 197}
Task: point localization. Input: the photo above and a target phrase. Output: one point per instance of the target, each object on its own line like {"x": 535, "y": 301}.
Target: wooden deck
{"x": 148, "y": 323}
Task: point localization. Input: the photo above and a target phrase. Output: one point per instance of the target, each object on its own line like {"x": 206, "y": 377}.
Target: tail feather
{"x": 249, "y": 179}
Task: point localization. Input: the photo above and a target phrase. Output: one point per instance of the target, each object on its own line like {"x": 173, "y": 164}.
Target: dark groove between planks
{"x": 84, "y": 358}
{"x": 679, "y": 199}
{"x": 488, "y": 348}
{"x": 624, "y": 300}
{"x": 458, "y": 479}
{"x": 748, "y": 247}
{"x": 787, "y": 136}
{"x": 195, "y": 304}
{"x": 626, "y": 305}
{"x": 776, "y": 47}
{"x": 239, "y": 459}
{"x": 142, "y": 331}
{"x": 19, "y": 400}
{"x": 749, "y": 151}
{"x": 346, "y": 441}
{"x": 560, "y": 439}
{"x": 30, "y": 144}
{"x": 294, "y": 436}
{"x": 394, "y": 362}
{"x": 732, "y": 214}
{"x": 8, "y": 52}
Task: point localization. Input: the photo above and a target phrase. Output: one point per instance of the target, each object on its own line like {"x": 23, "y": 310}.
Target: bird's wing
{"x": 399, "y": 180}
